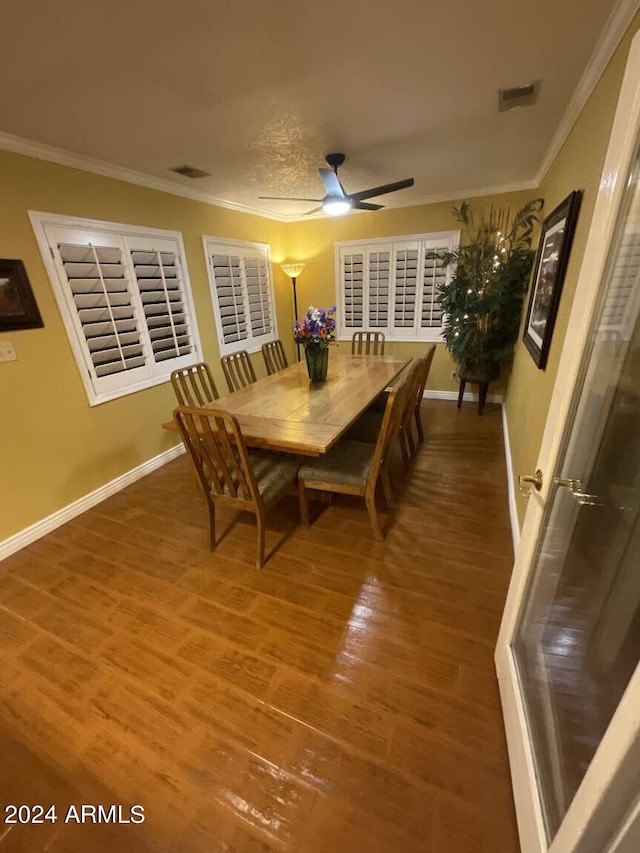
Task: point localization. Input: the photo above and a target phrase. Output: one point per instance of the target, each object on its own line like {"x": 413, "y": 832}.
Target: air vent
{"x": 191, "y": 172}
{"x": 518, "y": 96}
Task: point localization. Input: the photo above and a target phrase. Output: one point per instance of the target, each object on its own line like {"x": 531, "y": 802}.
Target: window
{"x": 242, "y": 294}
{"x": 392, "y": 286}
{"x": 125, "y": 299}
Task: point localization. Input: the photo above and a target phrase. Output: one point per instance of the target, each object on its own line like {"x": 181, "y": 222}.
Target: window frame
{"x": 419, "y": 335}
{"x": 208, "y": 242}
{"x": 157, "y": 372}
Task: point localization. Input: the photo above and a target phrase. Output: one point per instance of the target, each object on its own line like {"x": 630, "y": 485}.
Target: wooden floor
{"x": 341, "y": 699}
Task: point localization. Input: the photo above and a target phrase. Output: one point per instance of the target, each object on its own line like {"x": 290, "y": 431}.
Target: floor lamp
{"x": 293, "y": 271}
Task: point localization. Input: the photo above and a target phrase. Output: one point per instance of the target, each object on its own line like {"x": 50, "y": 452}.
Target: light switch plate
{"x": 7, "y": 351}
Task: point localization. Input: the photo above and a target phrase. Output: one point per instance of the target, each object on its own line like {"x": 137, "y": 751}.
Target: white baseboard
{"x": 469, "y": 396}
{"x": 46, "y": 525}
{"x": 513, "y": 509}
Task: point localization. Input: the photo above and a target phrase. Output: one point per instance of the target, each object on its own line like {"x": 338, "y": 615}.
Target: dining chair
{"x": 405, "y": 435}
{"x": 238, "y": 370}
{"x": 274, "y": 357}
{"x": 230, "y": 474}
{"x": 194, "y": 385}
{"x": 369, "y": 424}
{"x": 427, "y": 361}
{"x": 367, "y": 343}
{"x": 354, "y": 468}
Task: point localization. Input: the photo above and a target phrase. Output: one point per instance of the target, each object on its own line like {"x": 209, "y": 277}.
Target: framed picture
{"x": 18, "y": 307}
{"x": 548, "y": 277}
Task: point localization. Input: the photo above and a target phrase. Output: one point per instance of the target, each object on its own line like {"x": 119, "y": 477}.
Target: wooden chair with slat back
{"x": 274, "y": 357}
{"x": 194, "y": 385}
{"x": 354, "y": 468}
{"x": 405, "y": 435}
{"x": 368, "y": 425}
{"x": 427, "y": 361}
{"x": 230, "y": 474}
{"x": 238, "y": 370}
{"x": 367, "y": 343}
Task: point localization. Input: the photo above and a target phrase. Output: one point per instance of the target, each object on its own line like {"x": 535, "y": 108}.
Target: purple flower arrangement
{"x": 318, "y": 327}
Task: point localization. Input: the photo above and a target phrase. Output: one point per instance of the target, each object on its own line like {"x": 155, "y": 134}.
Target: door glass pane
{"x": 578, "y": 639}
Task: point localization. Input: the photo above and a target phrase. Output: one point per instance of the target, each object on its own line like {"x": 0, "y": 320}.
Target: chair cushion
{"x": 274, "y": 472}
{"x": 366, "y": 428}
{"x": 346, "y": 464}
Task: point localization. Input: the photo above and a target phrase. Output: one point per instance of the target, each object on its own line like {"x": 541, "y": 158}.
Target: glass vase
{"x": 317, "y": 362}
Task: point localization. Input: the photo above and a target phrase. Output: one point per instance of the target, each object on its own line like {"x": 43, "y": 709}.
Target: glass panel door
{"x": 577, "y": 643}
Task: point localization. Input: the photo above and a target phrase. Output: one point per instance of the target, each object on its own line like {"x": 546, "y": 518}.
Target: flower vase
{"x": 317, "y": 362}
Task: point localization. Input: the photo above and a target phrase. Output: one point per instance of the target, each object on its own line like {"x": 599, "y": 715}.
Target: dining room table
{"x": 287, "y": 412}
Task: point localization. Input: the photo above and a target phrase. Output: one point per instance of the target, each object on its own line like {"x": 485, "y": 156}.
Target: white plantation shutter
{"x": 434, "y": 275}
{"x": 161, "y": 290}
{"x": 379, "y": 268}
{"x": 123, "y": 293}
{"x": 617, "y": 314}
{"x": 242, "y": 294}
{"x": 392, "y": 286}
{"x": 258, "y": 294}
{"x": 100, "y": 292}
{"x": 406, "y": 286}
{"x": 229, "y": 299}
{"x": 353, "y": 289}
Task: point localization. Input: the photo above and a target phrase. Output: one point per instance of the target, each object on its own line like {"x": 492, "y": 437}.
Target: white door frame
{"x": 587, "y": 825}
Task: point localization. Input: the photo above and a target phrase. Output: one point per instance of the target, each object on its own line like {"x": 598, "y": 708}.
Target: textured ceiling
{"x": 257, "y": 92}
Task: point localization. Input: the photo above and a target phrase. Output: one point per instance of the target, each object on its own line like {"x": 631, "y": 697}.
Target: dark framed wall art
{"x": 18, "y": 307}
{"x": 548, "y": 276}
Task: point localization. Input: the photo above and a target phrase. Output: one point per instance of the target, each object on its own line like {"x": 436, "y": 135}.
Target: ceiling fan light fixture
{"x": 336, "y": 206}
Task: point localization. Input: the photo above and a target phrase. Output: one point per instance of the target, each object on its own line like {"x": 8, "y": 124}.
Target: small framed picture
{"x": 18, "y": 307}
{"x": 548, "y": 276}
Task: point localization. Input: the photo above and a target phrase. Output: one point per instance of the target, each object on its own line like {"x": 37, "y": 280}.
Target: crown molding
{"x": 41, "y": 151}
{"x": 615, "y": 28}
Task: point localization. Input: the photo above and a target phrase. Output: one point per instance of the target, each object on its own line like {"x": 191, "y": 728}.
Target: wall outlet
{"x": 7, "y": 351}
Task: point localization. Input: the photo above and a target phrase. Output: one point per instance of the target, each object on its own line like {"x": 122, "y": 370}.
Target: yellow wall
{"x": 56, "y": 448}
{"x": 577, "y": 166}
{"x": 313, "y": 242}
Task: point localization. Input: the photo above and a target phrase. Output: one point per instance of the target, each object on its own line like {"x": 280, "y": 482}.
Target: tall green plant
{"x": 482, "y": 302}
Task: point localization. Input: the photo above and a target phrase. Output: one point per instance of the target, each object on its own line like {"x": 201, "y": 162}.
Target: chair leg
{"x": 419, "y": 425}
{"x": 386, "y": 487}
{"x": 373, "y": 516}
{"x": 212, "y": 525}
{"x": 304, "y": 503}
{"x": 402, "y": 441}
{"x": 260, "y": 524}
{"x": 409, "y": 436}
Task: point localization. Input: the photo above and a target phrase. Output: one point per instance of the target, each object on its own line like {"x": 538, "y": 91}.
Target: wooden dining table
{"x": 287, "y": 412}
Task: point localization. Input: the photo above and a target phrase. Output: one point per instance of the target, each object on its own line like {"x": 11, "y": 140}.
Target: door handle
{"x": 575, "y": 487}
{"x": 527, "y": 481}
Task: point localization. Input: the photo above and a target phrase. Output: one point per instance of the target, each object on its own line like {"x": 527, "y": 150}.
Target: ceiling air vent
{"x": 518, "y": 96}
{"x": 191, "y": 172}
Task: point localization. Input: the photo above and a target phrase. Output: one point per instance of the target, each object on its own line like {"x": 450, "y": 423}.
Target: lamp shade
{"x": 292, "y": 270}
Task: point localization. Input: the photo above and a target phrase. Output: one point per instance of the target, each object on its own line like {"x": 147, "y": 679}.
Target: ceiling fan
{"x": 337, "y": 201}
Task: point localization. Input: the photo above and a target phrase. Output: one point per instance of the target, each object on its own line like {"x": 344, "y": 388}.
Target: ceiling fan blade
{"x": 331, "y": 183}
{"x": 285, "y": 198}
{"x": 363, "y": 205}
{"x": 315, "y": 210}
{"x": 385, "y": 188}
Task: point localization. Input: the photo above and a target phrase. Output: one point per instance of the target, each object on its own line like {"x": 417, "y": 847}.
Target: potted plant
{"x": 482, "y": 301}
{"x": 315, "y": 333}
